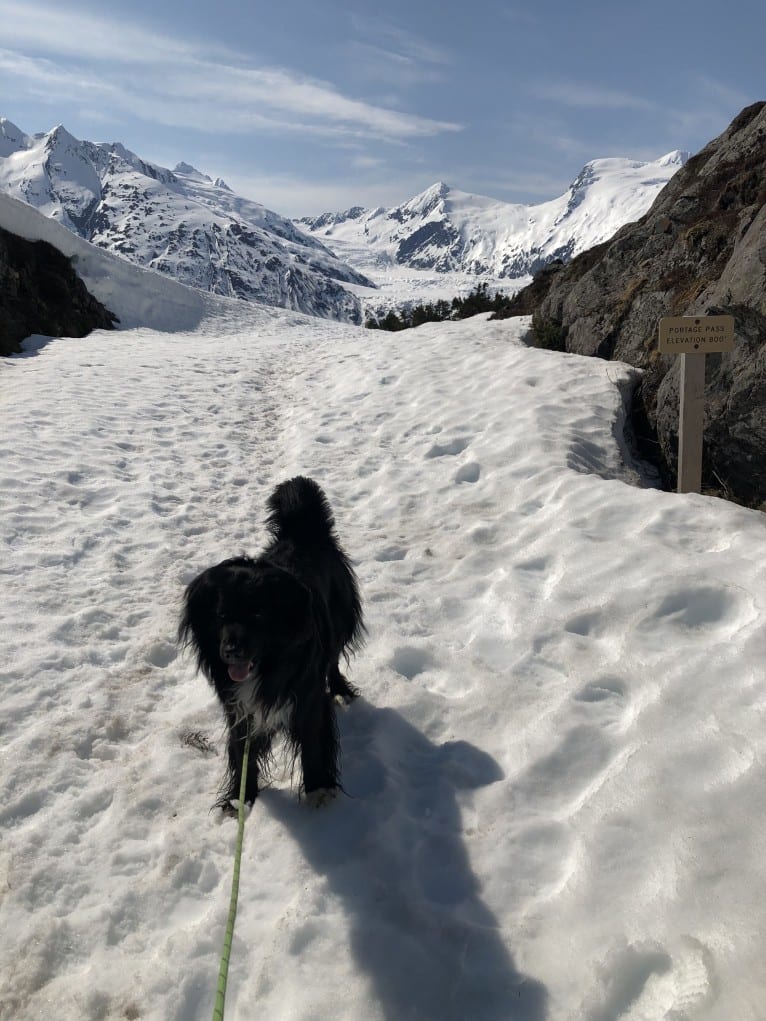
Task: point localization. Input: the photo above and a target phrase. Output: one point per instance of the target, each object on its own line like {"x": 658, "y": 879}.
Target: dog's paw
{"x": 321, "y": 796}
{"x": 230, "y": 808}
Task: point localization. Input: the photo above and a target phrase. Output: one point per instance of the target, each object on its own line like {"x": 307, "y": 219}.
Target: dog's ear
{"x": 198, "y": 610}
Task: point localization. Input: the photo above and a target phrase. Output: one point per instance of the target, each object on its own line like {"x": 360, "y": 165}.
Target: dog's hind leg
{"x": 317, "y": 739}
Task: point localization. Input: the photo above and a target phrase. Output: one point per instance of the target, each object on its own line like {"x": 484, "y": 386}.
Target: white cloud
{"x": 38, "y": 72}
{"x": 184, "y": 83}
{"x": 68, "y": 32}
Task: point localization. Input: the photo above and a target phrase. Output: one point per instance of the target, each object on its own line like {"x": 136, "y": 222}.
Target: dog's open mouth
{"x": 240, "y": 672}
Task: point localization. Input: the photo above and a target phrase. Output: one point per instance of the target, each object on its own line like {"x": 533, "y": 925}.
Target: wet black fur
{"x": 291, "y": 613}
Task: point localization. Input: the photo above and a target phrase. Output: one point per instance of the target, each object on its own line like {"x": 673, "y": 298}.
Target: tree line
{"x": 479, "y": 300}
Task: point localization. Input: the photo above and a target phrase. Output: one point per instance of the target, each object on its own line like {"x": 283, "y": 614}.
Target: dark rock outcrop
{"x": 701, "y": 249}
{"x": 41, "y": 293}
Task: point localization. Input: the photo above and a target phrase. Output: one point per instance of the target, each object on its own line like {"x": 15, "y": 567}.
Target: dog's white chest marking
{"x": 271, "y": 721}
{"x": 263, "y": 721}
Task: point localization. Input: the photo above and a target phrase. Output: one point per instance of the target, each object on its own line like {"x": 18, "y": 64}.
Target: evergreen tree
{"x": 477, "y": 301}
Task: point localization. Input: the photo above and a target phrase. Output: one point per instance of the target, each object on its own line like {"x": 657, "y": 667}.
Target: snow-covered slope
{"x": 138, "y": 297}
{"x": 555, "y": 778}
{"x": 180, "y": 222}
{"x": 447, "y": 230}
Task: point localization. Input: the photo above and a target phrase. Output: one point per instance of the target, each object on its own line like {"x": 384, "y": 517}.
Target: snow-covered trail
{"x": 556, "y": 771}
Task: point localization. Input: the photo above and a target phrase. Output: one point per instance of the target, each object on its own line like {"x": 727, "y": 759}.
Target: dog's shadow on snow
{"x": 393, "y": 852}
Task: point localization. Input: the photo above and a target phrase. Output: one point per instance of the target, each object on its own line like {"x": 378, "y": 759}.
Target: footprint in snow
{"x": 590, "y": 624}
{"x": 704, "y": 606}
{"x": 470, "y": 472}
{"x": 390, "y": 553}
{"x": 449, "y": 449}
{"x": 409, "y": 661}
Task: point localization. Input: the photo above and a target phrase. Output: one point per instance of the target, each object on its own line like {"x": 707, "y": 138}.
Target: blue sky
{"x": 311, "y": 105}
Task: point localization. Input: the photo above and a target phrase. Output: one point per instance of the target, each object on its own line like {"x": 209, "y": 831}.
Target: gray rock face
{"x": 41, "y": 293}
{"x": 700, "y": 249}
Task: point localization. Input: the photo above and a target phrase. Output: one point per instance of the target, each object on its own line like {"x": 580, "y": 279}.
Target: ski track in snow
{"x": 555, "y": 774}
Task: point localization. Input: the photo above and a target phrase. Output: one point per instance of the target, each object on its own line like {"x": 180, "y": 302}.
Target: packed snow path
{"x": 556, "y": 785}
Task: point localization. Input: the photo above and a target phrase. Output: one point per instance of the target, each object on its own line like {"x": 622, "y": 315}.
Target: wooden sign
{"x": 686, "y": 335}
{"x": 693, "y": 337}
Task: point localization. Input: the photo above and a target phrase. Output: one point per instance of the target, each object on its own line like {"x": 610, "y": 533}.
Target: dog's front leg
{"x": 232, "y": 784}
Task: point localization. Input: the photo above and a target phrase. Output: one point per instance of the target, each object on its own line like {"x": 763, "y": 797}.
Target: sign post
{"x": 693, "y": 337}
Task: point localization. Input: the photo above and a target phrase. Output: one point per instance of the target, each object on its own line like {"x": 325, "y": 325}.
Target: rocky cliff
{"x": 700, "y": 249}
{"x": 41, "y": 293}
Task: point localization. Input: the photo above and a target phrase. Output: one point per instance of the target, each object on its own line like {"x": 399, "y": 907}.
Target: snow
{"x": 556, "y": 801}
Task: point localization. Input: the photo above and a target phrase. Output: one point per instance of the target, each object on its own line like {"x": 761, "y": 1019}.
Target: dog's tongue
{"x": 239, "y": 671}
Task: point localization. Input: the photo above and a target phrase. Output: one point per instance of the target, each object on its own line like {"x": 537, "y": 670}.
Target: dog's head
{"x": 260, "y": 614}
{"x": 248, "y": 617}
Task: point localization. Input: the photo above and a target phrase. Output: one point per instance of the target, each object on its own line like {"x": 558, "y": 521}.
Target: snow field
{"x": 555, "y": 772}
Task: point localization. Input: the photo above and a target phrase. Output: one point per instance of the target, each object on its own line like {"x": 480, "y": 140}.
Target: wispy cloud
{"x": 398, "y": 70}
{"x": 40, "y": 73}
{"x": 713, "y": 107}
{"x": 704, "y": 106}
{"x": 400, "y": 41}
{"x": 68, "y": 32}
{"x": 551, "y": 134}
{"x": 384, "y": 52}
{"x": 583, "y": 96}
{"x": 362, "y": 162}
{"x": 183, "y": 82}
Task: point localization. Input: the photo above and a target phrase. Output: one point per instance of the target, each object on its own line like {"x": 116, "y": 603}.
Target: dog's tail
{"x": 299, "y": 511}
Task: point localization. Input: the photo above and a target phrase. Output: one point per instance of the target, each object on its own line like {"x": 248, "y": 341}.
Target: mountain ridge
{"x": 448, "y": 230}
{"x": 178, "y": 222}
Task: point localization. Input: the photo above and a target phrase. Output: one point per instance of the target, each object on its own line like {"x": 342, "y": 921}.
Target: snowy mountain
{"x": 447, "y": 230}
{"x": 178, "y": 222}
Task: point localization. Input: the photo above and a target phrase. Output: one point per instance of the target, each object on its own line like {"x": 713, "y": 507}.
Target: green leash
{"x": 223, "y": 973}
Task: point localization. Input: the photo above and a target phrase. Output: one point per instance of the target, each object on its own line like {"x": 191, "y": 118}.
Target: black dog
{"x": 269, "y": 634}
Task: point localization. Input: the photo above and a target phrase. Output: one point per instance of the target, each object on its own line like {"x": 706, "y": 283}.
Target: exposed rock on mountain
{"x": 41, "y": 293}
{"x": 178, "y": 222}
{"x": 701, "y": 248}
